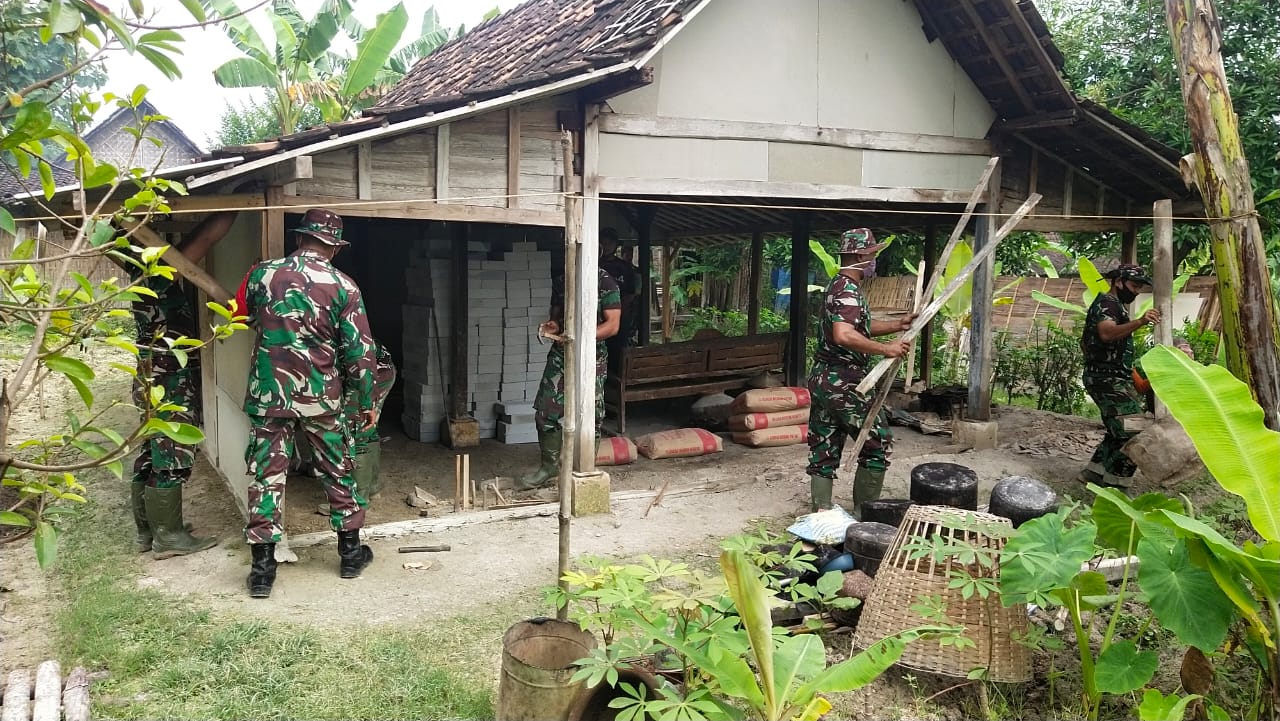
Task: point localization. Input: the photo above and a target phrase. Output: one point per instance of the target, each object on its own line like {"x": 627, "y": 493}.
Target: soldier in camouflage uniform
{"x": 313, "y": 351}
{"x": 548, "y": 405}
{"x": 163, "y": 464}
{"x": 844, "y": 353}
{"x": 1108, "y": 371}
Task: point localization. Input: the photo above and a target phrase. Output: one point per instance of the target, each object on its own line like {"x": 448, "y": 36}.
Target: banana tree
{"x": 300, "y": 67}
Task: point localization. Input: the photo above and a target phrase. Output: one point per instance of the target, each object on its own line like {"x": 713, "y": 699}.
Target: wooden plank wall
{"x": 1029, "y": 170}
{"x": 405, "y": 167}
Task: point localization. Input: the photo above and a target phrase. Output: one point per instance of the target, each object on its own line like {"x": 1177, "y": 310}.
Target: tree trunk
{"x": 1220, "y": 171}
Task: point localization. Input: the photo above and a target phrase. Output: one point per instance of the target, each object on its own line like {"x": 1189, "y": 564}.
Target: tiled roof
{"x": 533, "y": 44}
{"x": 11, "y": 186}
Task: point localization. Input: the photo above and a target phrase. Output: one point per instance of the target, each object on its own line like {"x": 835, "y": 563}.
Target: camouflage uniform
{"x": 1108, "y": 379}
{"x": 838, "y": 409}
{"x": 548, "y": 405}
{"x": 163, "y": 462}
{"x": 384, "y": 377}
{"x": 313, "y": 355}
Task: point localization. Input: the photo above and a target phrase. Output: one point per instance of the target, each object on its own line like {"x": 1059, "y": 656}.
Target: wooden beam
{"x": 442, "y": 163}
{"x": 1067, "y": 182}
{"x": 1041, "y": 150}
{"x": 1055, "y": 119}
{"x": 181, "y": 204}
{"x": 767, "y": 189}
{"x": 753, "y": 293}
{"x": 290, "y": 171}
{"x": 669, "y": 127}
{"x": 409, "y": 210}
{"x": 184, "y": 265}
{"x": 364, "y": 171}
{"x": 981, "y": 332}
{"x": 273, "y": 224}
{"x": 1162, "y": 278}
{"x": 798, "y": 309}
{"x": 670, "y": 251}
{"x": 1060, "y": 224}
{"x": 513, "y": 157}
{"x": 994, "y": 46}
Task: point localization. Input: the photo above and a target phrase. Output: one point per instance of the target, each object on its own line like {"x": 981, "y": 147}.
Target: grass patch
{"x": 171, "y": 658}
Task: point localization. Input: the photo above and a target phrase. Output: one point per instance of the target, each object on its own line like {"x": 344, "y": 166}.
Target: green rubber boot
{"x": 867, "y": 485}
{"x": 143, "y": 537}
{"x": 820, "y": 493}
{"x": 549, "y": 468}
{"x": 169, "y": 534}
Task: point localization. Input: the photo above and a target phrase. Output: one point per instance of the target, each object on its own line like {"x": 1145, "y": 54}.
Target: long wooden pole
{"x": 1219, "y": 168}
{"x": 572, "y": 236}
{"x": 1162, "y": 277}
{"x": 753, "y": 291}
{"x": 932, "y": 309}
{"x": 890, "y": 365}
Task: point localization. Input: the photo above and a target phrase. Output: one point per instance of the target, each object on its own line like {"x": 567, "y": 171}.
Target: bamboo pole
{"x": 572, "y": 245}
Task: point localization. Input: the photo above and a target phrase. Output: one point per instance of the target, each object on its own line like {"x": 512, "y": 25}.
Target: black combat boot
{"x": 354, "y": 556}
{"x": 262, "y": 573}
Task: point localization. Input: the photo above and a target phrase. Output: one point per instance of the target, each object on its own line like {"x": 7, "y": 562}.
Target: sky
{"x": 195, "y": 102}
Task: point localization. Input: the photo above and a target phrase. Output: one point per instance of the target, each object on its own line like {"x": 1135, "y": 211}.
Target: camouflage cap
{"x": 1129, "y": 271}
{"x": 860, "y": 241}
{"x": 323, "y": 225}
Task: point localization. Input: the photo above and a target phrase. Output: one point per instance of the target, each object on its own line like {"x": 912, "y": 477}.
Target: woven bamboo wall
{"x": 893, "y": 295}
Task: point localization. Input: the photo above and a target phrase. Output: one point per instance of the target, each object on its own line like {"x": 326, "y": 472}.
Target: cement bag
{"x": 771, "y": 437}
{"x": 761, "y": 421}
{"x": 616, "y": 451}
{"x": 769, "y": 400}
{"x": 682, "y": 443}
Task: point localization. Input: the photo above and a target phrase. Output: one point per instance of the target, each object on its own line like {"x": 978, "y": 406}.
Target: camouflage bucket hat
{"x": 1129, "y": 271}
{"x": 323, "y": 225}
{"x": 860, "y": 241}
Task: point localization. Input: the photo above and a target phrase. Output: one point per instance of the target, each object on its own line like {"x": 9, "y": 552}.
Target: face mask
{"x": 868, "y": 268}
{"x": 1125, "y": 295}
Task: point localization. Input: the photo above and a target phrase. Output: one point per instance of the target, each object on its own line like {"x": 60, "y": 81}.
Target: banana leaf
{"x": 318, "y": 37}
{"x": 962, "y": 301}
{"x": 829, "y": 264}
{"x": 239, "y": 30}
{"x": 245, "y": 72}
{"x": 1064, "y": 305}
{"x": 374, "y": 49}
{"x": 1226, "y": 425}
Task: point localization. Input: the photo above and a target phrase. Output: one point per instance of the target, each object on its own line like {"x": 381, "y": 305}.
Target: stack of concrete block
{"x": 506, "y": 301}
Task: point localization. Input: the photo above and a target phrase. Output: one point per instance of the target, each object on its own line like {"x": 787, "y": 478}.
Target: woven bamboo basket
{"x": 903, "y": 581}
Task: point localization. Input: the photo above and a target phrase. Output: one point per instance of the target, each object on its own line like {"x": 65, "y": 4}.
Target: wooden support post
{"x": 587, "y": 290}
{"x": 799, "y": 308}
{"x": 644, "y": 249}
{"x": 458, "y": 407}
{"x": 1162, "y": 277}
{"x": 922, "y": 272}
{"x": 442, "y": 163}
{"x": 930, "y": 267}
{"x": 980, "y": 324}
{"x": 513, "y": 157}
{"x": 364, "y": 171}
{"x": 1129, "y": 243}
{"x": 753, "y": 293}
{"x": 273, "y": 224}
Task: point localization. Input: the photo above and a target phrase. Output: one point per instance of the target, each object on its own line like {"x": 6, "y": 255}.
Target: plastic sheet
{"x": 824, "y": 527}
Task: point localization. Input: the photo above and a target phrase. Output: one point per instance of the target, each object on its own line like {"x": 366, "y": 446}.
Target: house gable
{"x": 837, "y": 93}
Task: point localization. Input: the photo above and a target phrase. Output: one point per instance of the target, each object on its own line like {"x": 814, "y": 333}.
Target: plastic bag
{"x": 824, "y": 527}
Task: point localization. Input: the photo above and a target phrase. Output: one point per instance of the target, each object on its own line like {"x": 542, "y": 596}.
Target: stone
{"x": 978, "y": 435}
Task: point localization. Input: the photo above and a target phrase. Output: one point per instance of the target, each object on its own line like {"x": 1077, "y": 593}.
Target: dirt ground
{"x": 495, "y": 562}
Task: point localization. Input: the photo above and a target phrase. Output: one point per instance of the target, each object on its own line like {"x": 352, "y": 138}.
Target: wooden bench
{"x": 696, "y": 367}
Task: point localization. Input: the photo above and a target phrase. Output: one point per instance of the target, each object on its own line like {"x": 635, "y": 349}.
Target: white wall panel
{"x": 692, "y": 158}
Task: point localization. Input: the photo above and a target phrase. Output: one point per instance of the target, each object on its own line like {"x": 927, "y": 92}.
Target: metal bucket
{"x": 538, "y": 658}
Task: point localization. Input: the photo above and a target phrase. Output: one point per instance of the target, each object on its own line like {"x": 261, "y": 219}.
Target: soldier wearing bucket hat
{"x": 845, "y": 349}
{"x": 313, "y": 357}
{"x": 1108, "y": 370}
